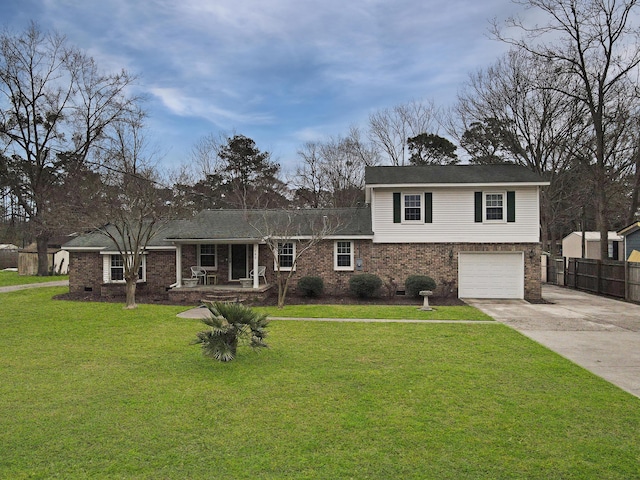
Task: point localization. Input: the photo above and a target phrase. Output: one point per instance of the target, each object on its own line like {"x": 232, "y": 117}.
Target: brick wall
{"x": 391, "y": 262}
{"x": 85, "y": 274}
{"x": 395, "y": 262}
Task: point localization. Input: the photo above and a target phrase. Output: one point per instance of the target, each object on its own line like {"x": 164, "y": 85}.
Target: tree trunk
{"x": 603, "y": 224}
{"x": 131, "y": 295}
{"x": 43, "y": 256}
{"x": 633, "y": 208}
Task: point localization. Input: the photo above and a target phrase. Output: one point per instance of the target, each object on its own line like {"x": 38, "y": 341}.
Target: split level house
{"x": 475, "y": 229}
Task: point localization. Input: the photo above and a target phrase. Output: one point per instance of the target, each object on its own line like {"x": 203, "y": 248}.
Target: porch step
{"x": 221, "y": 298}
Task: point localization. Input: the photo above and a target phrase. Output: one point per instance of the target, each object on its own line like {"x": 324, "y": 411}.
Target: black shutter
{"x": 397, "y": 210}
{"x": 478, "y": 206}
{"x": 511, "y": 206}
{"x": 428, "y": 207}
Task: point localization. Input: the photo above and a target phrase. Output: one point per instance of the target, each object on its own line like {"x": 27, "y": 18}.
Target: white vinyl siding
{"x": 453, "y": 215}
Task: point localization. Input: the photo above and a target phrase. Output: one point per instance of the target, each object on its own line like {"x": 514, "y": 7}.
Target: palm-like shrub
{"x": 231, "y": 323}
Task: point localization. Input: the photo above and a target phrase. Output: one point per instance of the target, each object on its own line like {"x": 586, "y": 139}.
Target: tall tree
{"x": 593, "y": 47}
{"x": 390, "y": 129}
{"x": 332, "y": 172}
{"x": 237, "y": 174}
{"x": 431, "y": 149}
{"x": 512, "y": 112}
{"x": 54, "y": 107}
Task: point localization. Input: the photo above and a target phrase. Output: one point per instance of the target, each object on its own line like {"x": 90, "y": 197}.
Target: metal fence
{"x": 613, "y": 278}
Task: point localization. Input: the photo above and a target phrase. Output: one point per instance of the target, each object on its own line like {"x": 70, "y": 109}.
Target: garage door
{"x": 491, "y": 275}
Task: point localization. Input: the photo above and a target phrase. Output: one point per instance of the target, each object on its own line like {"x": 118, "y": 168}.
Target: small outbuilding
{"x": 631, "y": 240}
{"x": 572, "y": 246}
{"x": 8, "y": 256}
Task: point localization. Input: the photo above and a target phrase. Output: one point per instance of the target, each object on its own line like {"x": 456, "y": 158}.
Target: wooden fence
{"x": 613, "y": 278}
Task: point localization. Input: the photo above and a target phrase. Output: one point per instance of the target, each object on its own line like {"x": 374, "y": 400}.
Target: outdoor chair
{"x": 199, "y": 273}
{"x": 261, "y": 273}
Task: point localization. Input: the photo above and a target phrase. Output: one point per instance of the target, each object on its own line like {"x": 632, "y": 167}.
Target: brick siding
{"x": 393, "y": 263}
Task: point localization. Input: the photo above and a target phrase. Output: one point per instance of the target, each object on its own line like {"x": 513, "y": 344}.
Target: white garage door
{"x": 491, "y": 275}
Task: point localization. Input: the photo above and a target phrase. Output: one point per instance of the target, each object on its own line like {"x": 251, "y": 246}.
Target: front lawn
{"x": 377, "y": 312}
{"x": 8, "y": 278}
{"x": 89, "y": 390}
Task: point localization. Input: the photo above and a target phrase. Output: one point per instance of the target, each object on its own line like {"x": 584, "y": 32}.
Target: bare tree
{"x": 54, "y": 107}
{"x": 390, "y": 129}
{"x": 592, "y": 45}
{"x": 332, "y": 172}
{"x": 512, "y": 112}
{"x": 135, "y": 205}
{"x": 290, "y": 234}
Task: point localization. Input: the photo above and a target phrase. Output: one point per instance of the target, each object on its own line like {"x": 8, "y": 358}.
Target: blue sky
{"x": 282, "y": 72}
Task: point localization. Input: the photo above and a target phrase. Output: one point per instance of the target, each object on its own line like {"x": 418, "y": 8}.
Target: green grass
{"x": 376, "y": 312}
{"x": 95, "y": 391}
{"x": 12, "y": 278}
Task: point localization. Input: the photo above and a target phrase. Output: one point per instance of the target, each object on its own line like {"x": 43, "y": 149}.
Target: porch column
{"x": 256, "y": 277}
{"x": 179, "y": 265}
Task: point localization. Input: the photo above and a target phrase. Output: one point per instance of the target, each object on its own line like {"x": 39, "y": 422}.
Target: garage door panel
{"x": 491, "y": 275}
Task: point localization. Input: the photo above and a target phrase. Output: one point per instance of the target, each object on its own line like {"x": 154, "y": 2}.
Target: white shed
{"x": 572, "y": 246}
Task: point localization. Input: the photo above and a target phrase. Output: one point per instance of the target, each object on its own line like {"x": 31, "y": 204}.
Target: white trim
{"x": 403, "y": 207}
{"x": 106, "y": 269}
{"x": 484, "y": 206}
{"x": 276, "y": 262}
{"x": 351, "y": 266}
{"x": 447, "y": 185}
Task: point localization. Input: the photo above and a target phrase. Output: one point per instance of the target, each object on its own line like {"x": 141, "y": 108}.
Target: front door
{"x": 238, "y": 257}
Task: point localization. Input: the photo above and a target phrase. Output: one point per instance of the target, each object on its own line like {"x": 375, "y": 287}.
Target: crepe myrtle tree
{"x": 290, "y": 234}
{"x": 135, "y": 204}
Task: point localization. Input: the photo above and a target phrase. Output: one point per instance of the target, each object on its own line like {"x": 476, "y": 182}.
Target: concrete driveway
{"x": 597, "y": 333}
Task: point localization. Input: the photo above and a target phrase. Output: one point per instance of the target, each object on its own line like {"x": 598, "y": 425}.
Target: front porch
{"x": 212, "y": 293}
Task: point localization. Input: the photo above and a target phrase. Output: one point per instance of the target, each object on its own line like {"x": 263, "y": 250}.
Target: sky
{"x": 282, "y": 72}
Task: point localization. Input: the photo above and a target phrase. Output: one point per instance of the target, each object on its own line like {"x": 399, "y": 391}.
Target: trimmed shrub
{"x": 310, "y": 286}
{"x": 416, "y": 283}
{"x": 365, "y": 285}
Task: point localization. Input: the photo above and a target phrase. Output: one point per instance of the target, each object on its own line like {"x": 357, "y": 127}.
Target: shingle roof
{"x": 454, "y": 174}
{"x": 241, "y": 225}
{"x": 253, "y": 224}
{"x": 97, "y": 240}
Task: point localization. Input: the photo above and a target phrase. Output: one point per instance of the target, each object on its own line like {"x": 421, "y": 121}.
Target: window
{"x": 343, "y": 255}
{"x": 412, "y": 207}
{"x": 114, "y": 269}
{"x": 286, "y": 255}
{"x": 117, "y": 268}
{"x": 207, "y": 256}
{"x": 494, "y": 206}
